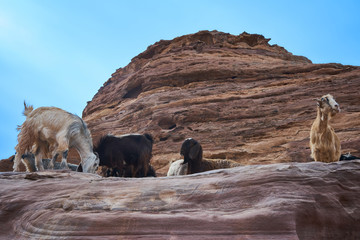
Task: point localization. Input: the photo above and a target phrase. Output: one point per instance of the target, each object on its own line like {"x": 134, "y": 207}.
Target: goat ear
{"x": 318, "y": 101}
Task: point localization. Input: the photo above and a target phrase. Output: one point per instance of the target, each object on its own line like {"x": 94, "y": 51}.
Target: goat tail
{"x": 27, "y": 109}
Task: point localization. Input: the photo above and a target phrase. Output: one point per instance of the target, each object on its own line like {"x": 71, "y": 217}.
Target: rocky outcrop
{"x": 6, "y": 165}
{"x": 275, "y": 201}
{"x": 240, "y": 97}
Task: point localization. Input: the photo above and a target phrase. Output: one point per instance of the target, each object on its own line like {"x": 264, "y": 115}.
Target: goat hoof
{"x": 63, "y": 165}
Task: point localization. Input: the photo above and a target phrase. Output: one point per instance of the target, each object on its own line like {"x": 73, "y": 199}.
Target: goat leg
{"x": 63, "y": 164}
{"x": 17, "y": 161}
{"x": 38, "y": 162}
{"x": 52, "y": 161}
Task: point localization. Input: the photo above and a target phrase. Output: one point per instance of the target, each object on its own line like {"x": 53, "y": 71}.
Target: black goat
{"x": 115, "y": 172}
{"x": 126, "y": 155}
{"x": 347, "y": 157}
{"x": 192, "y": 152}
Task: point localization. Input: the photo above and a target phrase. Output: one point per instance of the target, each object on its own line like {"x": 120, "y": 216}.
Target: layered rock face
{"x": 243, "y": 100}
{"x": 275, "y": 201}
{"x": 240, "y": 97}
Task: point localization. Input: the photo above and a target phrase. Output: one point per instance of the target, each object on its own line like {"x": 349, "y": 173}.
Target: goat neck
{"x": 194, "y": 166}
{"x": 83, "y": 146}
{"x": 322, "y": 119}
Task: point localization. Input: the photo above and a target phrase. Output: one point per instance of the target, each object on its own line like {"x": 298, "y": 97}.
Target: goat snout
{"x": 337, "y": 108}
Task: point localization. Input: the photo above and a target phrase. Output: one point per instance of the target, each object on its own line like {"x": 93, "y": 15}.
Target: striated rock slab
{"x": 275, "y": 201}
{"x": 240, "y": 97}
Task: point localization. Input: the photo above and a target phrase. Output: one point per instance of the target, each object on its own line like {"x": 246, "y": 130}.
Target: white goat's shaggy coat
{"x": 50, "y": 129}
{"x": 324, "y": 143}
{"x": 177, "y": 168}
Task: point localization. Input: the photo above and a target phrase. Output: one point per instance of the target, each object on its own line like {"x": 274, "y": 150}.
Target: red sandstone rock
{"x": 6, "y": 165}
{"x": 240, "y": 97}
{"x": 275, "y": 201}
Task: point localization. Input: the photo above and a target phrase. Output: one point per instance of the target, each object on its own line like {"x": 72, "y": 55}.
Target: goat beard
{"x": 334, "y": 112}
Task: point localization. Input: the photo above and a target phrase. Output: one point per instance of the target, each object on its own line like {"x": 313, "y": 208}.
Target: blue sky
{"x": 60, "y": 52}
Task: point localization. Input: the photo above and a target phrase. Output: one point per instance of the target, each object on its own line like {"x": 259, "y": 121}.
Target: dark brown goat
{"x": 115, "y": 172}
{"x": 126, "y": 155}
{"x": 193, "y": 153}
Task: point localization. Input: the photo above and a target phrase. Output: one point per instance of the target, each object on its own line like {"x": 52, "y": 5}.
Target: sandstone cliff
{"x": 275, "y": 201}
{"x": 240, "y": 97}
{"x": 244, "y": 100}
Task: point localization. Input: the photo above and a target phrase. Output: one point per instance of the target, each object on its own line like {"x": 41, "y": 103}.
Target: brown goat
{"x": 192, "y": 152}
{"x": 50, "y": 128}
{"x": 324, "y": 143}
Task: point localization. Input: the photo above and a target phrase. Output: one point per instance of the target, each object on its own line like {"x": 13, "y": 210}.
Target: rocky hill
{"x": 240, "y": 97}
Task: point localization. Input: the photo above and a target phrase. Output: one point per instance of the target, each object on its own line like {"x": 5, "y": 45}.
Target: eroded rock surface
{"x": 240, "y": 97}
{"x": 276, "y": 201}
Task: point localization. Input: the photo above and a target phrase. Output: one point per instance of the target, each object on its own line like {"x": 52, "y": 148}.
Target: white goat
{"x": 177, "y": 168}
{"x": 52, "y": 128}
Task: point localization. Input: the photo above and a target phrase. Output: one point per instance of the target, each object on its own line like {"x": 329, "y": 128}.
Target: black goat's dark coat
{"x": 347, "y": 157}
{"x": 128, "y": 155}
{"x": 192, "y": 152}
